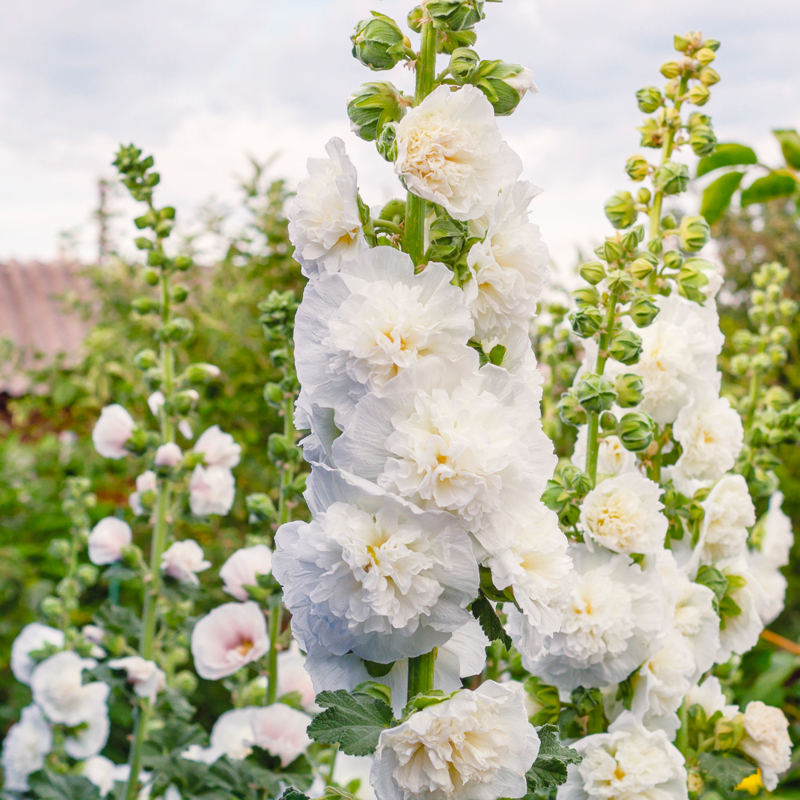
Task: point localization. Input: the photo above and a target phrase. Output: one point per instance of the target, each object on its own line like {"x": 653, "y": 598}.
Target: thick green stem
{"x": 682, "y": 739}
{"x": 275, "y": 618}
{"x": 592, "y": 447}
{"x": 135, "y": 760}
{"x": 288, "y": 469}
{"x": 420, "y": 674}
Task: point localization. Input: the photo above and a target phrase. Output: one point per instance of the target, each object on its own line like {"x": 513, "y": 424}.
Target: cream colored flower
{"x": 767, "y": 741}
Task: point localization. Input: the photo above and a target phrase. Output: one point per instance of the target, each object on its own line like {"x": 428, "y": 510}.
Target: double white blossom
{"x": 31, "y": 638}
{"x": 612, "y": 458}
{"x": 211, "y": 490}
{"x": 767, "y": 741}
{"x": 24, "y": 748}
{"x": 145, "y": 676}
{"x": 218, "y": 448}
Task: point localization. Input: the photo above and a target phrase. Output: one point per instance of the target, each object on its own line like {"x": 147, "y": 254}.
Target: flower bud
{"x": 570, "y": 410}
{"x": 711, "y": 44}
{"x": 274, "y": 395}
{"x": 694, "y": 233}
{"x": 641, "y": 268}
{"x": 681, "y": 43}
{"x": 200, "y": 373}
{"x": 777, "y": 354}
{"x": 455, "y": 15}
{"x": 620, "y": 210}
{"x": 261, "y": 508}
{"x": 150, "y": 276}
{"x": 742, "y": 340}
{"x": 463, "y": 63}
{"x": 185, "y": 682}
{"x": 612, "y": 250}
{"x": 447, "y": 239}
{"x": 708, "y": 76}
{"x": 587, "y": 296}
{"x": 690, "y": 283}
{"x": 705, "y": 55}
{"x": 586, "y": 322}
{"x": 637, "y": 167}
{"x": 387, "y": 142}
{"x": 145, "y": 305}
{"x": 145, "y": 359}
{"x": 88, "y": 574}
{"x": 503, "y": 84}
{"x": 180, "y": 292}
{"x": 635, "y": 431}
{"x": 649, "y": 99}
{"x": 643, "y": 311}
{"x": 670, "y": 69}
{"x": 787, "y": 308}
{"x": 780, "y": 335}
{"x": 373, "y": 106}
{"x": 698, "y": 94}
{"x": 655, "y": 246}
{"x": 595, "y": 393}
{"x": 183, "y": 402}
{"x": 178, "y": 329}
{"x": 51, "y": 607}
{"x": 740, "y": 364}
{"x": 673, "y": 259}
{"x": 777, "y": 397}
{"x": 671, "y": 178}
{"x": 702, "y": 140}
{"x": 626, "y": 347}
{"x": 619, "y": 281}
{"x": 378, "y": 42}
{"x": 630, "y": 390}
{"x": 653, "y": 134}
{"x": 592, "y": 272}
{"x": 761, "y": 363}
{"x": 608, "y": 424}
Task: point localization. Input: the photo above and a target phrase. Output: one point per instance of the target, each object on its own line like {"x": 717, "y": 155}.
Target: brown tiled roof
{"x": 33, "y": 316}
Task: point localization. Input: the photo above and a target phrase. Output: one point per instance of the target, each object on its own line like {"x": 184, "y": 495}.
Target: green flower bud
{"x": 670, "y": 69}
{"x": 626, "y": 347}
{"x": 570, "y": 410}
{"x": 608, "y": 424}
{"x": 690, "y": 283}
{"x": 185, "y": 682}
{"x": 178, "y": 329}
{"x": 787, "y": 308}
{"x": 183, "y": 402}
{"x": 653, "y": 134}
{"x": 180, "y": 292}
{"x": 742, "y": 340}
{"x": 694, "y": 233}
{"x": 378, "y": 43}
{"x": 592, "y": 272}
{"x": 740, "y": 364}
{"x": 630, "y": 390}
{"x": 637, "y": 167}
{"x": 595, "y": 393}
{"x": 641, "y": 268}
{"x": 455, "y": 15}
{"x": 182, "y": 263}
{"x": 387, "y": 142}
{"x": 711, "y": 44}
{"x": 777, "y": 397}
{"x": 643, "y": 311}
{"x": 156, "y": 259}
{"x": 698, "y": 94}
{"x": 261, "y": 508}
{"x": 619, "y": 281}
{"x": 145, "y": 305}
{"x": 635, "y": 431}
{"x": 503, "y": 84}
{"x": 758, "y": 297}
{"x": 681, "y": 43}
{"x": 274, "y": 395}
{"x": 671, "y": 178}
{"x": 612, "y": 250}
{"x": 587, "y": 296}
{"x": 761, "y": 363}
{"x": 780, "y": 335}
{"x": 586, "y": 322}
{"x": 448, "y": 238}
{"x": 649, "y": 99}
{"x": 373, "y": 106}
{"x": 705, "y": 55}
{"x": 51, "y": 607}
{"x": 673, "y": 259}
{"x": 280, "y": 447}
{"x": 200, "y": 373}
{"x": 143, "y": 243}
{"x": 59, "y": 549}
{"x": 463, "y": 63}
{"x": 655, "y": 246}
{"x": 621, "y": 210}
{"x": 708, "y": 76}
{"x": 88, "y": 574}
{"x": 777, "y": 354}
{"x": 150, "y": 276}
{"x": 696, "y": 120}
{"x": 643, "y": 196}
{"x": 702, "y": 140}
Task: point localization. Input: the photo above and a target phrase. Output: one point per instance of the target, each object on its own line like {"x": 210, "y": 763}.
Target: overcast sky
{"x": 202, "y": 83}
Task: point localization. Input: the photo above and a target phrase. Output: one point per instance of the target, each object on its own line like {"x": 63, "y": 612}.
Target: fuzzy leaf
{"x": 726, "y": 155}
{"x": 354, "y": 721}
{"x": 771, "y": 187}
{"x": 717, "y": 196}
{"x": 550, "y": 767}
{"x": 484, "y": 612}
{"x": 52, "y": 786}
{"x": 726, "y": 771}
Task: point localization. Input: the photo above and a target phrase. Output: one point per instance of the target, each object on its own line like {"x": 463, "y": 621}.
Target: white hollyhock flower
{"x": 773, "y": 585}
{"x": 218, "y": 448}
{"x": 112, "y": 431}
{"x": 767, "y": 741}
{"x": 145, "y": 676}
{"x": 293, "y": 677}
{"x": 243, "y": 568}
{"x": 450, "y": 151}
{"x": 624, "y": 514}
{"x": 155, "y": 401}
{"x": 474, "y": 745}
{"x": 319, "y": 421}
{"x": 679, "y": 353}
{"x": 774, "y": 534}
{"x": 449, "y": 437}
{"x": 710, "y": 697}
{"x": 146, "y": 482}
{"x": 101, "y": 772}
{"x": 211, "y": 490}
{"x": 230, "y": 636}
{"x": 662, "y": 682}
{"x": 281, "y": 731}
{"x": 168, "y": 455}
{"x": 94, "y": 635}
{"x": 711, "y": 435}
{"x": 612, "y": 458}
{"x": 24, "y": 748}
{"x": 324, "y": 221}
{"x": 523, "y": 82}
{"x": 535, "y": 565}
{"x": 509, "y": 268}
{"x": 183, "y": 560}
{"x": 231, "y": 736}
{"x": 90, "y": 737}
{"x": 626, "y": 763}
{"x": 108, "y": 539}
{"x": 741, "y": 632}
{"x": 518, "y": 358}
{"x": 462, "y": 656}
{"x": 371, "y": 574}
{"x": 59, "y": 691}
{"x": 359, "y": 329}
{"x": 729, "y": 512}
{"x": 31, "y": 638}
{"x": 613, "y": 614}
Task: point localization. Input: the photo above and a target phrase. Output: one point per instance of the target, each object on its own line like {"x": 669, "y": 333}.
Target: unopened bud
{"x": 694, "y": 233}
{"x": 261, "y": 508}
{"x": 373, "y": 106}
{"x": 643, "y": 311}
{"x": 619, "y": 281}
{"x": 637, "y": 167}
{"x": 595, "y": 393}
{"x": 620, "y": 210}
{"x": 630, "y": 390}
{"x": 378, "y": 43}
{"x": 670, "y": 69}
{"x": 455, "y": 15}
{"x": 780, "y": 335}
{"x": 690, "y": 283}
{"x": 387, "y": 142}
{"x": 503, "y": 84}
{"x": 587, "y": 296}
{"x": 180, "y": 292}
{"x": 626, "y": 347}
{"x": 702, "y": 140}
{"x": 641, "y": 268}
{"x": 705, "y": 55}
{"x": 145, "y": 305}
{"x": 612, "y": 250}
{"x": 778, "y": 398}
{"x": 447, "y": 239}
{"x": 649, "y": 99}
{"x": 178, "y": 329}
{"x": 182, "y": 263}
{"x": 185, "y": 682}
{"x": 708, "y": 76}
{"x": 742, "y": 340}
{"x": 586, "y": 322}
{"x": 593, "y": 272}
{"x": 570, "y": 410}
{"x": 463, "y": 63}
{"x": 150, "y": 276}
{"x": 761, "y": 363}
{"x": 787, "y": 308}
{"x": 698, "y": 94}
{"x": 681, "y": 43}
{"x": 711, "y": 44}
{"x": 274, "y": 395}
{"x": 635, "y": 431}
{"x": 653, "y": 134}
{"x": 671, "y": 178}
{"x": 88, "y": 574}
{"x": 200, "y": 373}
{"x": 51, "y": 607}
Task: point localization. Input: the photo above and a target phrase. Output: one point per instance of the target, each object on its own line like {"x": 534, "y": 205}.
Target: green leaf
{"x": 714, "y": 580}
{"x": 52, "y": 786}
{"x": 726, "y": 771}
{"x": 550, "y": 767}
{"x": 717, "y": 196}
{"x": 484, "y": 612}
{"x": 354, "y": 721}
{"x": 790, "y": 145}
{"x": 777, "y": 184}
{"x": 726, "y": 155}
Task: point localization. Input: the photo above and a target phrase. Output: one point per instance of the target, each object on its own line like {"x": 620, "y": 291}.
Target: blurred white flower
{"x": 740, "y": 633}
{"x": 218, "y": 448}
{"x": 90, "y": 737}
{"x": 211, "y": 490}
{"x": 24, "y": 748}
{"x": 474, "y": 745}
{"x": 155, "y": 401}
{"x": 108, "y": 539}
{"x": 145, "y": 676}
{"x": 293, "y": 677}
{"x": 775, "y": 536}
{"x": 31, "y": 638}
{"x": 348, "y": 769}
{"x": 231, "y": 736}
{"x": 767, "y": 741}
{"x": 324, "y": 220}
{"x": 243, "y": 568}
{"x": 146, "y": 482}
{"x": 450, "y": 151}
{"x": 710, "y": 697}
{"x": 281, "y": 731}
{"x": 168, "y": 455}
{"x": 112, "y": 431}
{"x": 612, "y": 458}
{"x": 183, "y": 560}
{"x": 230, "y": 636}
{"x": 101, "y": 772}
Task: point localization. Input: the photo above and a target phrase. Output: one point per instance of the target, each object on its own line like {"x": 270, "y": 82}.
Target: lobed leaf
{"x": 484, "y": 612}
{"x": 354, "y": 721}
{"x": 727, "y": 771}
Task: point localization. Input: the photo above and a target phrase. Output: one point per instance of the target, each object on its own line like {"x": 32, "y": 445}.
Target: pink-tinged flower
{"x": 293, "y": 677}
{"x": 243, "y": 568}
{"x": 146, "y": 482}
{"x": 218, "y": 448}
{"x": 155, "y": 401}
{"x": 112, "y": 431}
{"x": 232, "y": 635}
{"x": 183, "y": 559}
{"x": 281, "y": 731}
{"x": 145, "y": 676}
{"x": 168, "y": 455}
{"x": 211, "y": 490}
{"x": 108, "y": 539}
